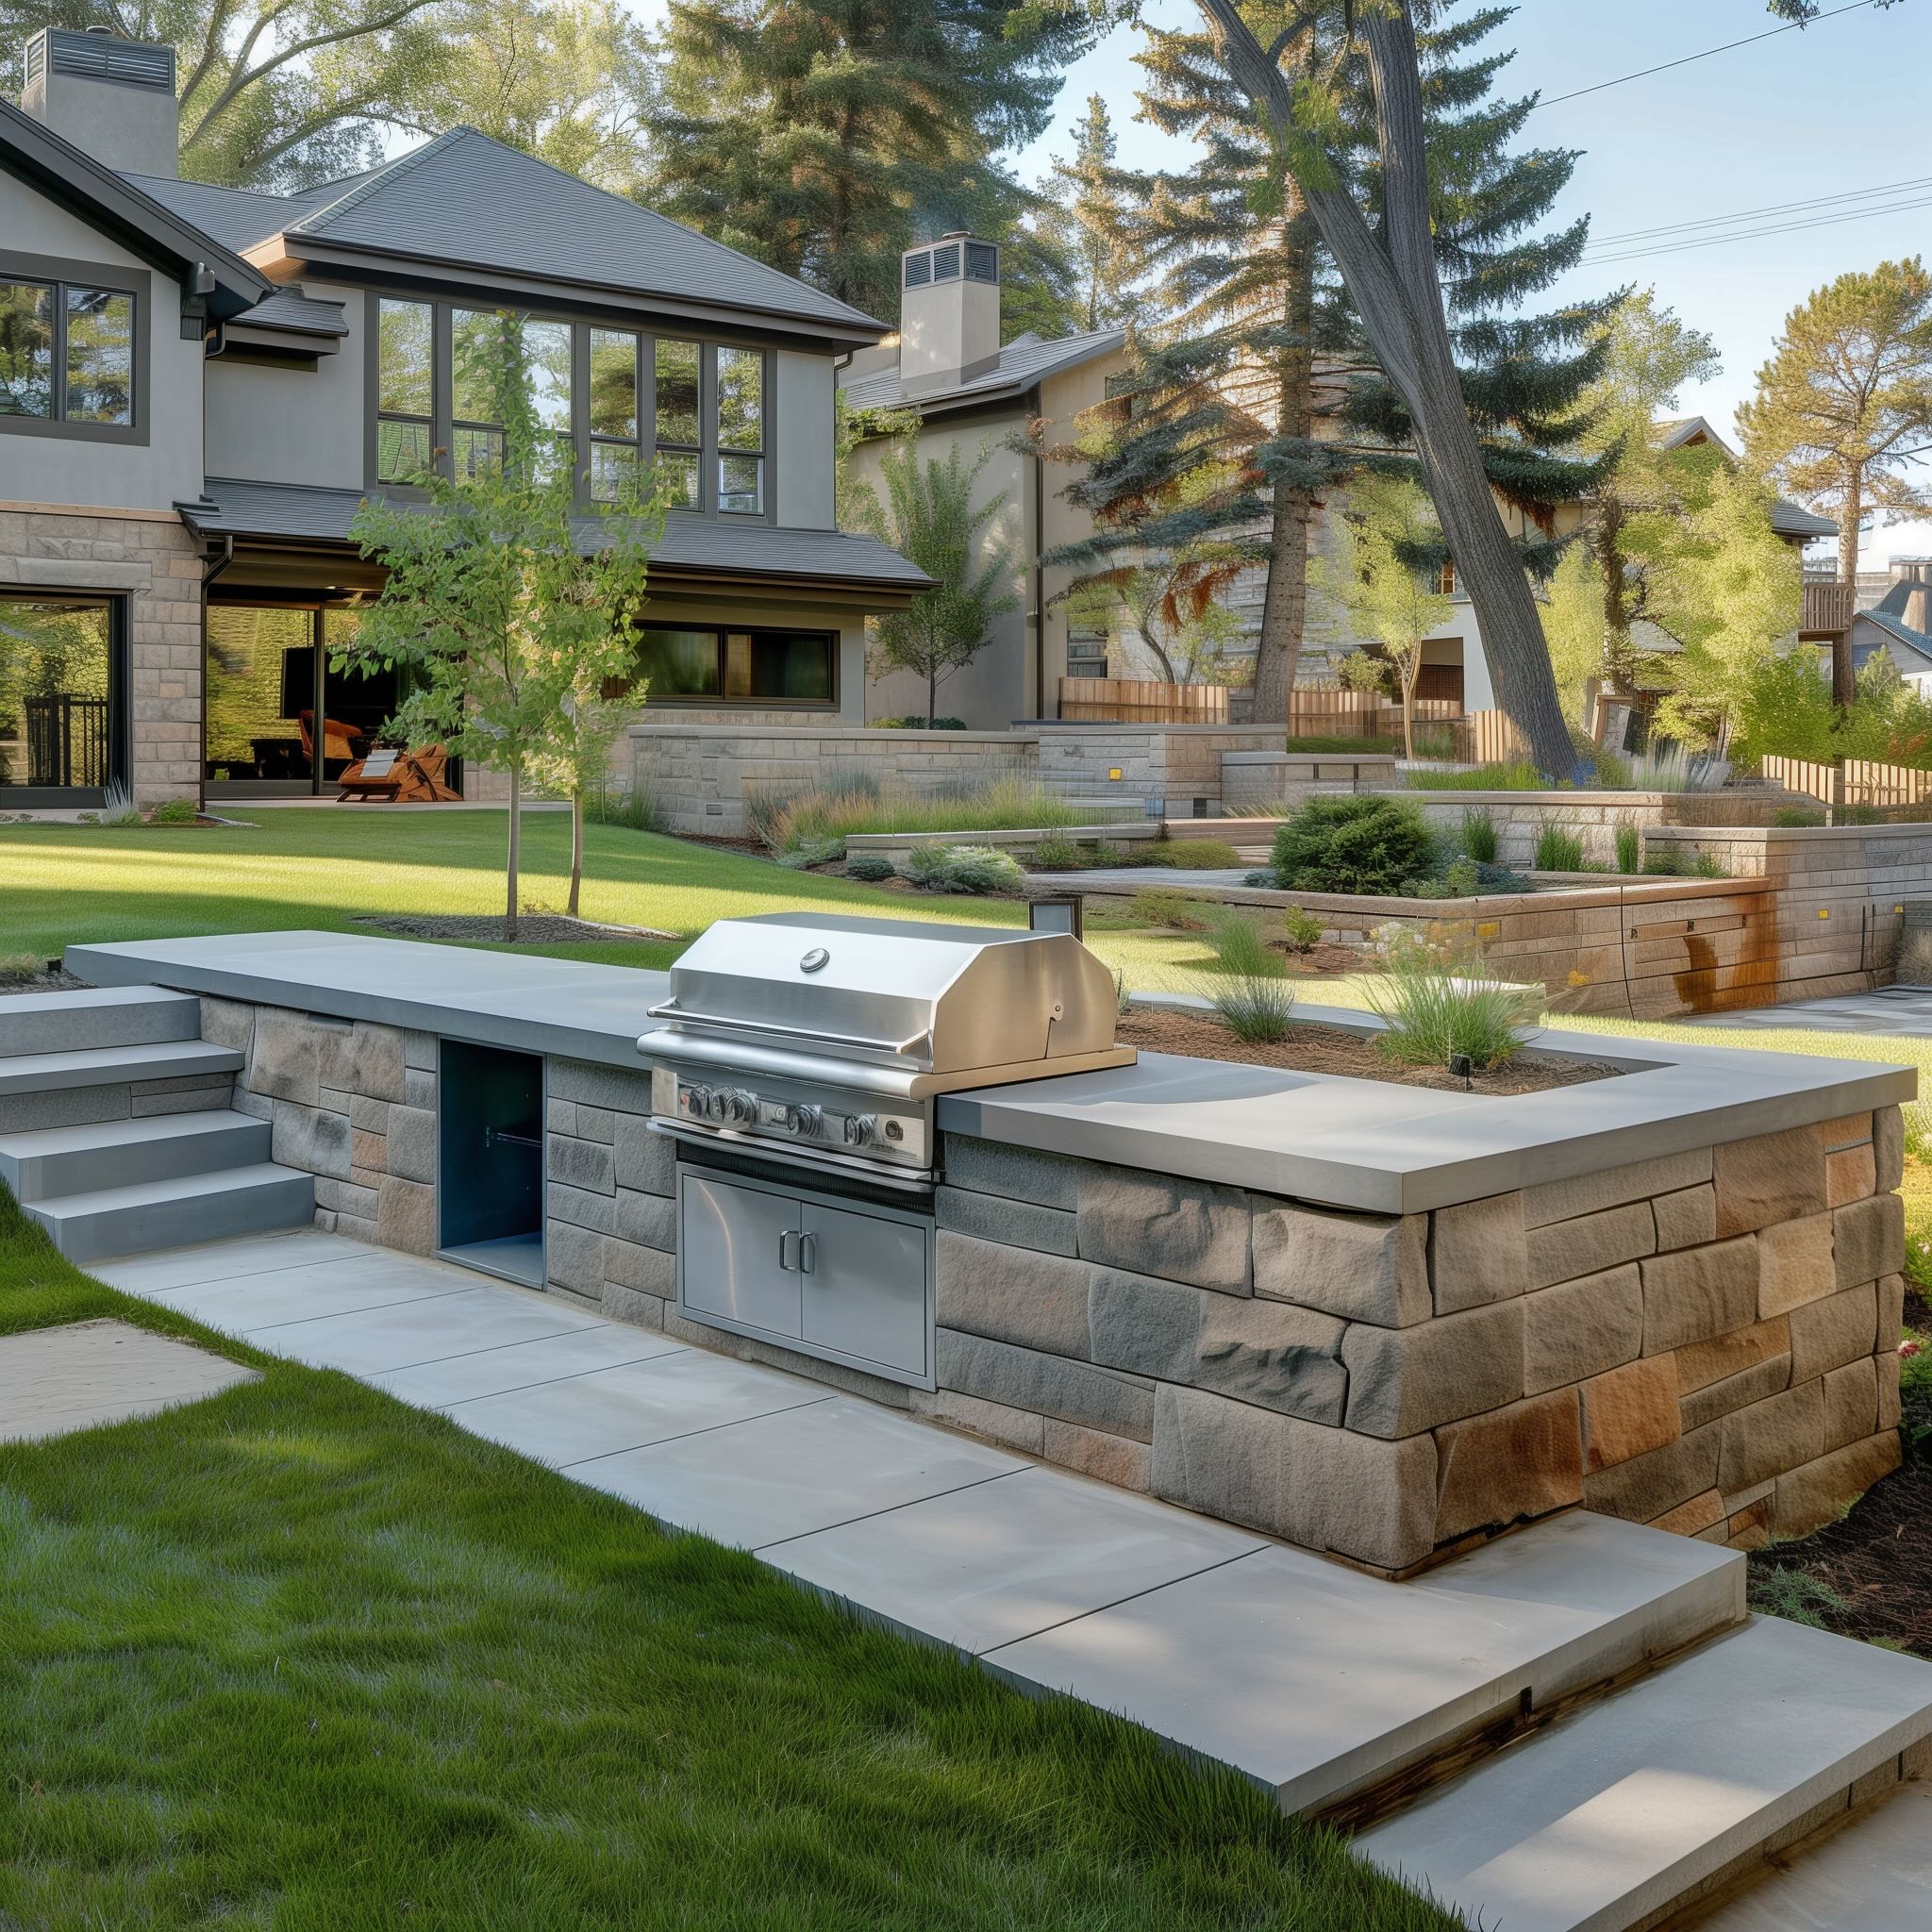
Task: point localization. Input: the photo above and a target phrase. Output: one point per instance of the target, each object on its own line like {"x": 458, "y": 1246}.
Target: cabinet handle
{"x": 785, "y": 1237}
{"x": 808, "y": 1254}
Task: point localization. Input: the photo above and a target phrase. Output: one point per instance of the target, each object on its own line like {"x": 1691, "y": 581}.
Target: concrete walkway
{"x": 1905, "y": 1012}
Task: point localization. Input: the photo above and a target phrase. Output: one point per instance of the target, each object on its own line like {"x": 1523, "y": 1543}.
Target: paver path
{"x": 1902, "y": 1010}
{"x": 85, "y": 1373}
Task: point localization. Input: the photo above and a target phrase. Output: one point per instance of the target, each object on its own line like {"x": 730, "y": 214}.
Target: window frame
{"x": 723, "y": 701}
{"x": 120, "y": 703}
{"x": 109, "y": 278}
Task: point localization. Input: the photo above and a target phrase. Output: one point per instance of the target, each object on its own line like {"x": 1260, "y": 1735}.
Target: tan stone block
{"x": 1869, "y": 1239}
{"x": 1848, "y": 1130}
{"x": 1565, "y": 1250}
{"x": 1810, "y": 1496}
{"x": 1794, "y": 1264}
{"x": 405, "y": 1215}
{"x": 1581, "y": 1328}
{"x": 1851, "y": 1403}
{"x": 1585, "y": 1194}
{"x": 1094, "y": 1451}
{"x": 1362, "y": 1267}
{"x": 1686, "y": 1219}
{"x": 1700, "y": 1363}
{"x": 1696, "y": 1293}
{"x": 1889, "y": 1147}
{"x": 367, "y": 1150}
{"x": 1477, "y": 1253}
{"x": 1838, "y": 1329}
{"x": 1749, "y": 1530}
{"x": 1886, "y": 1368}
{"x": 1850, "y": 1175}
{"x": 1515, "y": 1462}
{"x": 1699, "y": 1513}
{"x": 1783, "y": 1432}
{"x": 1768, "y": 1178}
{"x": 1404, "y": 1380}
{"x": 1630, "y": 1411}
{"x": 1715, "y": 1399}
{"x": 1644, "y": 1488}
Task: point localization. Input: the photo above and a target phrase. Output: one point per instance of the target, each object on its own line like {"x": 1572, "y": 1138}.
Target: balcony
{"x": 1827, "y": 610}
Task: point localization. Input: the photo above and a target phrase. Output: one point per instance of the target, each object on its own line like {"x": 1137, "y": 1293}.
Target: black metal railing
{"x": 66, "y": 740}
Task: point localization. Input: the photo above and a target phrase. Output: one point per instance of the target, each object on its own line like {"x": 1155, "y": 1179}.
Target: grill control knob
{"x": 696, "y": 1100}
{"x": 862, "y": 1129}
{"x": 742, "y": 1105}
{"x": 804, "y": 1120}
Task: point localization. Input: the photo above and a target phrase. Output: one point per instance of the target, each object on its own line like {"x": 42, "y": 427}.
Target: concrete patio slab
{"x": 523, "y": 1364}
{"x": 405, "y": 1335}
{"x": 235, "y": 1260}
{"x": 377, "y": 1280}
{"x": 796, "y": 1472}
{"x": 85, "y": 1374}
{"x": 1902, "y": 1011}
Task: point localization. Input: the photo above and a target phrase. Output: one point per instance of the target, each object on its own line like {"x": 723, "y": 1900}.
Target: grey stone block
{"x": 586, "y": 1164}
{"x": 258, "y": 1106}
{"x": 1648, "y": 1486}
{"x": 1021, "y": 1174}
{"x": 366, "y": 1058}
{"x": 1362, "y": 1267}
{"x": 623, "y": 1303}
{"x": 650, "y": 1220}
{"x": 368, "y": 1116}
{"x": 412, "y": 1143}
{"x": 1697, "y": 1407}
{"x": 286, "y": 1057}
{"x": 1047, "y": 1383}
{"x": 177, "y": 1096}
{"x": 406, "y": 1216}
{"x": 642, "y": 1270}
{"x": 68, "y": 1106}
{"x": 1181, "y": 1230}
{"x": 1047, "y": 1230}
{"x": 1699, "y": 1292}
{"x": 308, "y": 1138}
{"x": 597, "y": 1124}
{"x": 1686, "y": 1219}
{"x": 559, "y": 1117}
{"x": 1478, "y": 1254}
{"x": 1015, "y": 1428}
{"x": 334, "y": 1099}
{"x": 1887, "y": 1146}
{"x": 419, "y": 1051}
{"x": 1770, "y": 1438}
{"x": 1585, "y": 1194}
{"x": 1567, "y": 1250}
{"x": 1011, "y": 1294}
{"x": 227, "y": 1022}
{"x": 356, "y": 1227}
{"x": 574, "y": 1257}
{"x": 580, "y": 1207}
{"x": 1325, "y": 1489}
{"x": 590, "y": 1085}
{"x": 1404, "y": 1380}
{"x": 419, "y": 1089}
{"x": 1581, "y": 1328}
{"x": 645, "y": 1161}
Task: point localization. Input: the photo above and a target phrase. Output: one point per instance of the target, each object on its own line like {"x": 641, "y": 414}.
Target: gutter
{"x": 1039, "y": 612}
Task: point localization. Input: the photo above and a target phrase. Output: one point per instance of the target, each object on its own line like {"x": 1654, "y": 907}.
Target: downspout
{"x": 207, "y": 576}
{"x": 1038, "y": 569}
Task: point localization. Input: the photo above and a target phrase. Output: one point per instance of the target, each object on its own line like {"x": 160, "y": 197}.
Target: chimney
{"x": 113, "y": 99}
{"x": 949, "y": 314}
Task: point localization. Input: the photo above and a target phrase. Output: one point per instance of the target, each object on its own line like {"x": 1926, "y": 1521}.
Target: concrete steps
{"x": 115, "y": 1131}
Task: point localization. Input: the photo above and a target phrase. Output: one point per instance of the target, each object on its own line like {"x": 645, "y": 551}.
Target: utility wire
{"x": 1752, "y": 234}
{"x": 1747, "y": 213}
{"x": 1749, "y": 40}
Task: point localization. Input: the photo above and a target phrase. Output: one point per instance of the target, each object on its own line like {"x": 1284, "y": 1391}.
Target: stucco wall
{"x": 804, "y": 424}
{"x": 290, "y": 425}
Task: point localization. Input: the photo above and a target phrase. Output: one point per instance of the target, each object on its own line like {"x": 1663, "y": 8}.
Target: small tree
{"x": 498, "y": 611}
{"x": 1845, "y": 401}
{"x": 1572, "y": 613}
{"x": 1389, "y": 547}
{"x": 928, "y": 514}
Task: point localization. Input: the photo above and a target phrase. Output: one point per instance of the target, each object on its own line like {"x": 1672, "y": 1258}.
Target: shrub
{"x": 1185, "y": 854}
{"x": 1479, "y": 836}
{"x": 1364, "y": 747}
{"x": 1352, "y": 844}
{"x": 1629, "y": 847}
{"x": 1170, "y": 905}
{"x": 118, "y": 807}
{"x": 1665, "y": 863}
{"x": 1665, "y": 767}
{"x": 964, "y": 869}
{"x": 858, "y": 803}
{"x": 1557, "y": 850}
{"x": 1055, "y": 851}
{"x": 916, "y": 724}
{"x": 1798, "y": 815}
{"x": 1437, "y": 1000}
{"x": 174, "y": 811}
{"x": 1709, "y": 866}
{"x": 1254, "y": 1000}
{"x": 635, "y": 810}
{"x": 21, "y": 969}
{"x": 1435, "y": 741}
{"x": 1303, "y": 928}
{"x": 1484, "y": 779}
{"x": 871, "y": 867}
{"x": 813, "y": 852}
{"x": 1462, "y": 878}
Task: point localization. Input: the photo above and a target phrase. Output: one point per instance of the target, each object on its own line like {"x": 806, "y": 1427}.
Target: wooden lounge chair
{"x": 427, "y": 764}
{"x": 381, "y": 775}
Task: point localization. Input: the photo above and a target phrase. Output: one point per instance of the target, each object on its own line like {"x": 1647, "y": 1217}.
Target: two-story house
{"x": 200, "y": 385}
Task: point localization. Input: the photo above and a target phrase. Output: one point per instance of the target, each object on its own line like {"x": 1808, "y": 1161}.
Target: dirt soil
{"x": 533, "y": 928}
{"x": 1322, "y": 956}
{"x": 51, "y": 979}
{"x": 1311, "y": 1048}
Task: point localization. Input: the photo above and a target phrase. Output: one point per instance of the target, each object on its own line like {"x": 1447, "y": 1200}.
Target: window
{"x": 67, "y": 352}
{"x": 62, "y": 717}
{"x": 404, "y": 396}
{"x": 616, "y": 446}
{"x": 475, "y": 433}
{"x": 680, "y": 434}
{"x": 741, "y": 390}
{"x": 777, "y": 667}
{"x": 1445, "y": 581}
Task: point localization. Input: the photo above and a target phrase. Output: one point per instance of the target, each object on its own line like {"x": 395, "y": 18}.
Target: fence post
{"x": 1835, "y": 804}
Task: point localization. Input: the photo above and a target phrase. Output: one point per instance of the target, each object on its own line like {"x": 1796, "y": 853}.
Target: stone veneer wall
{"x": 149, "y": 560}
{"x": 1705, "y": 1341}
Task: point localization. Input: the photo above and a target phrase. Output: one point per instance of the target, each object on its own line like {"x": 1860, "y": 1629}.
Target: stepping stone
{"x": 85, "y": 1374}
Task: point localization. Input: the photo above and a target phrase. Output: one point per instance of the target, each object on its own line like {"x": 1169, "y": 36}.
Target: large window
{"x": 68, "y": 351}
{"x": 405, "y": 391}
{"x": 616, "y": 438}
{"x": 777, "y": 667}
{"x": 681, "y": 423}
{"x": 60, "y": 728}
{"x": 741, "y": 390}
{"x": 476, "y": 441}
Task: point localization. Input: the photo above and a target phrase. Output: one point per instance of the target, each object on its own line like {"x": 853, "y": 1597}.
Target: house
{"x": 1899, "y": 625}
{"x": 199, "y": 386}
{"x": 971, "y": 393}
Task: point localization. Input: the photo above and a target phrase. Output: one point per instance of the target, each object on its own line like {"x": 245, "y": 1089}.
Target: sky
{"x": 1835, "y": 109}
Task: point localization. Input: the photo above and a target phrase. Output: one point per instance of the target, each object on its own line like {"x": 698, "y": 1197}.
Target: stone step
{"x": 1633, "y": 1808}
{"x": 52, "y": 1161}
{"x": 112, "y": 1066}
{"x": 95, "y": 1016}
{"x": 175, "y": 1212}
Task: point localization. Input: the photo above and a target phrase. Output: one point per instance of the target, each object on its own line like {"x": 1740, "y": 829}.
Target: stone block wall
{"x": 1175, "y": 762}
{"x": 1706, "y": 1342}
{"x": 149, "y": 559}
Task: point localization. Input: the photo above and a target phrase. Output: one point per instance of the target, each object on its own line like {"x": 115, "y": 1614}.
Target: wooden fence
{"x": 1494, "y": 740}
{"x": 1852, "y": 781}
{"x": 1141, "y": 701}
{"x": 1362, "y": 714}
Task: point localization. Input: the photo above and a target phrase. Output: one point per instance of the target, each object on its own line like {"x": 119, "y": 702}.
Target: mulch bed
{"x": 52, "y": 980}
{"x": 533, "y": 928}
{"x": 1312, "y": 1048}
{"x": 1322, "y": 956}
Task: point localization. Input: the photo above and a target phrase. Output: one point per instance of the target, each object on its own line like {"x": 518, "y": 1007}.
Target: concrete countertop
{"x": 1364, "y": 1144}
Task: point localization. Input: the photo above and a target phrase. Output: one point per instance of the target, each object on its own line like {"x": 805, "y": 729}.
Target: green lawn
{"x": 301, "y": 1658}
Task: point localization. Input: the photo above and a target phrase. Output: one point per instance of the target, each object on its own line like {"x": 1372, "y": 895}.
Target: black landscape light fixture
{"x": 1061, "y": 912}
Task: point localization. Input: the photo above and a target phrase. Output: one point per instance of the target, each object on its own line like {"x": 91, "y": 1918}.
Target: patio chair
{"x": 424, "y": 784}
{"x": 381, "y": 775}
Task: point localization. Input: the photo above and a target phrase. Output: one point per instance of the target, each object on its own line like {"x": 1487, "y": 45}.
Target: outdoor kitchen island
{"x": 1372, "y": 1320}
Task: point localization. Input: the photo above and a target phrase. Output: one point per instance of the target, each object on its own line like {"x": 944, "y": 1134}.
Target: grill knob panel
{"x": 804, "y": 1120}
{"x": 697, "y": 1101}
{"x": 741, "y": 1105}
{"x": 862, "y": 1129}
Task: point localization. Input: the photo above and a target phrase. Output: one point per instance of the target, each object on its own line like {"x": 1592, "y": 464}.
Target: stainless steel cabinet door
{"x": 736, "y": 1246}
{"x": 864, "y": 1278}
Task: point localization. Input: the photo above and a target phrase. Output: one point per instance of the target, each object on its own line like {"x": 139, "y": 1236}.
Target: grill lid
{"x": 939, "y": 999}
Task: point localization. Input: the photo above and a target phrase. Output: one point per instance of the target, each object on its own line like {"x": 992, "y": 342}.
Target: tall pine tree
{"x": 826, "y": 136}
{"x": 1084, "y": 213}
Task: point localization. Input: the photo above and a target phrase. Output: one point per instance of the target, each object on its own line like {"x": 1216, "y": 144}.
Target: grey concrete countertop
{"x": 1365, "y": 1145}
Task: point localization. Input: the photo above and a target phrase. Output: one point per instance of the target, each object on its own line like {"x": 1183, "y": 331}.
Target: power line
{"x": 1753, "y": 234}
{"x": 1749, "y": 40}
{"x": 1747, "y": 213}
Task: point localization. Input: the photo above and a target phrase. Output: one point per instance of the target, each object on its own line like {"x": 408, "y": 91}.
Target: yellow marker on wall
{"x": 1113, "y": 771}
{"x": 1825, "y": 912}
{"x": 1488, "y": 929}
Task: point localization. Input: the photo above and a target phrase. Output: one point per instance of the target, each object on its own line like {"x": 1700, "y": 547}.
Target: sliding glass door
{"x": 63, "y": 705}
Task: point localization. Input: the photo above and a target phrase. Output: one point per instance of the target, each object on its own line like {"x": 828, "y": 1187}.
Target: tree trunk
{"x": 1844, "y": 683}
{"x": 1409, "y": 677}
{"x": 516, "y": 849}
{"x": 932, "y": 694}
{"x": 1390, "y": 276}
{"x": 576, "y": 852}
{"x": 1284, "y": 602}
{"x": 1161, "y": 657}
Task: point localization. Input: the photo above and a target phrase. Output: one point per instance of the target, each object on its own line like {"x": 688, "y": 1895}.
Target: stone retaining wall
{"x": 1261, "y": 780}
{"x": 1705, "y": 1341}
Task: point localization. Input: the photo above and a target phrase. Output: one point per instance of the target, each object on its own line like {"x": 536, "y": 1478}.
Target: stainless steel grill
{"x": 822, "y": 1042}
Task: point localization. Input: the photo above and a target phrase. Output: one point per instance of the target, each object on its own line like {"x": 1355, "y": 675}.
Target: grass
{"x": 836, "y": 814}
{"x": 1252, "y": 997}
{"x": 1484, "y": 779}
{"x": 302, "y": 1657}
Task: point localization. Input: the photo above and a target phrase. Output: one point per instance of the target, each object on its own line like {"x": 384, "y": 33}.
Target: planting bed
{"x": 1312, "y": 1048}
{"x": 533, "y": 928}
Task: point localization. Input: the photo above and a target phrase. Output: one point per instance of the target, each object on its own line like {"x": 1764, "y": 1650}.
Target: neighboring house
{"x": 948, "y": 364}
{"x": 1900, "y": 624}
{"x": 199, "y": 385}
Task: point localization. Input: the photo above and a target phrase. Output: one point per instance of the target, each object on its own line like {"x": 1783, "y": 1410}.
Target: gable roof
{"x": 1787, "y": 519}
{"x": 288, "y": 310}
{"x": 1910, "y": 649}
{"x": 465, "y": 201}
{"x": 123, "y": 209}
{"x": 1022, "y": 363}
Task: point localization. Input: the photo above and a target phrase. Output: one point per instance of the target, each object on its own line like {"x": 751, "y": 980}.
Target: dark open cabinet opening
{"x": 490, "y": 1160}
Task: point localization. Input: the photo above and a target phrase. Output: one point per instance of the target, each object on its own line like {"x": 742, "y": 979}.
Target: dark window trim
{"x": 119, "y": 280}
{"x": 722, "y": 703}
{"x": 120, "y": 703}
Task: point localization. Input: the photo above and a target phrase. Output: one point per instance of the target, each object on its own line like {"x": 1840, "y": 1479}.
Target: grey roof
{"x": 1910, "y": 649}
{"x": 308, "y": 513}
{"x": 289, "y": 310}
{"x": 1022, "y": 363}
{"x": 1787, "y": 519}
{"x": 241, "y": 218}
